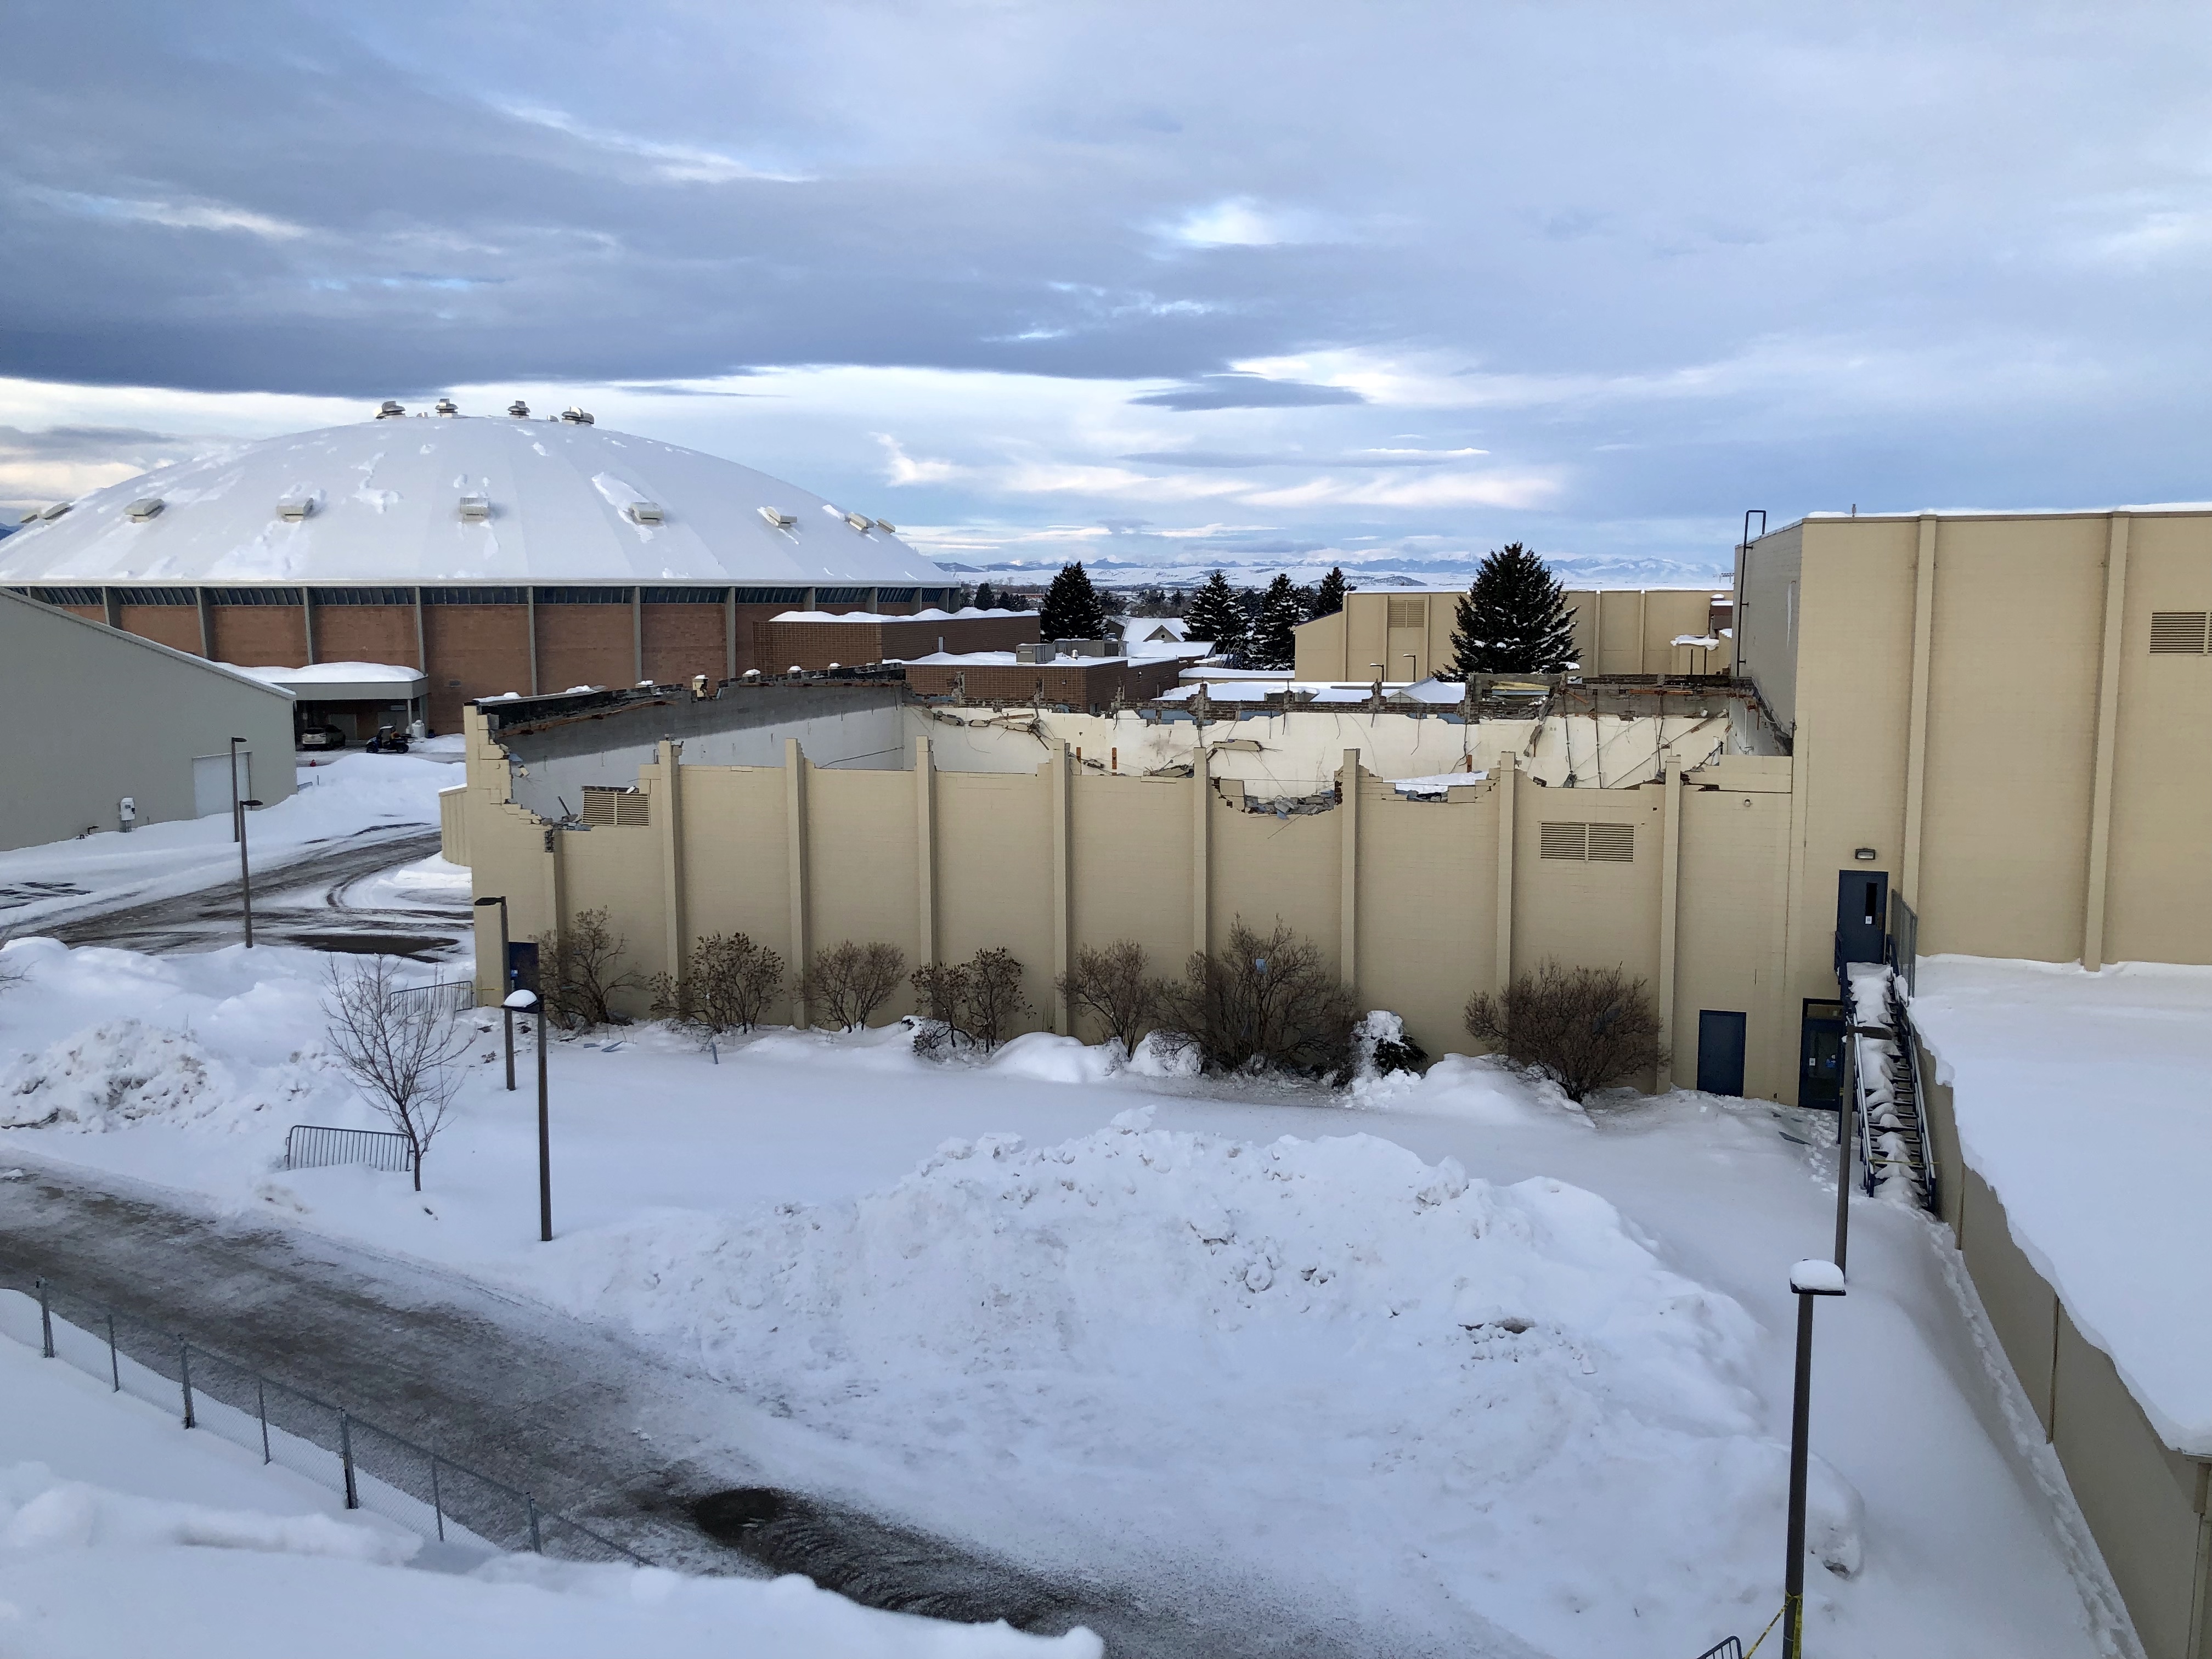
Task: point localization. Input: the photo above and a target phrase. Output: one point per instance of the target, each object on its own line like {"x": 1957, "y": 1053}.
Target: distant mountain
{"x": 1381, "y": 569}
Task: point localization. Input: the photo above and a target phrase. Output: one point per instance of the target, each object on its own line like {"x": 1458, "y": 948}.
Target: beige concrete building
{"x": 97, "y": 717}
{"x": 1404, "y": 633}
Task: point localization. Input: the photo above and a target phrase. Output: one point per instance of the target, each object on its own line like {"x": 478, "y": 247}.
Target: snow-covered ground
{"x": 123, "y": 1533}
{"x": 2083, "y": 1100}
{"x": 1443, "y": 1361}
{"x": 338, "y": 795}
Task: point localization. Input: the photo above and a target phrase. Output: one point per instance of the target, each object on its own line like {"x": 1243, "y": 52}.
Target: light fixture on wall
{"x": 1863, "y": 854}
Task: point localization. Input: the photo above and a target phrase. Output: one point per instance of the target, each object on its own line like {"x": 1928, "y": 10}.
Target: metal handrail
{"x": 319, "y": 1146}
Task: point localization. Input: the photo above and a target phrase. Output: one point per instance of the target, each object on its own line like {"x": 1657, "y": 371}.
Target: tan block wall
{"x": 1079, "y": 685}
{"x": 1616, "y": 631}
{"x": 1423, "y": 896}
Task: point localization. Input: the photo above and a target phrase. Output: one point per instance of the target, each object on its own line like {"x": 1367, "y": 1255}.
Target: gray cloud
{"x": 1235, "y": 391}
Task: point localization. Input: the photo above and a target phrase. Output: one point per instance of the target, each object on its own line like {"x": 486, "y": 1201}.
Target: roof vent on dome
{"x": 293, "y": 508}
{"x": 475, "y": 510}
{"x": 51, "y": 512}
{"x": 520, "y": 409}
{"x": 887, "y": 527}
{"x": 575, "y": 417}
{"x": 644, "y": 513}
{"x": 145, "y": 507}
{"x": 860, "y": 521}
{"x": 779, "y": 520}
{"x": 445, "y": 406}
{"x": 390, "y": 411}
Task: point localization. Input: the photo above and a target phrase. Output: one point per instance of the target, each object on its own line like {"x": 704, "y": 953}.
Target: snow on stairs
{"x": 1896, "y": 1153}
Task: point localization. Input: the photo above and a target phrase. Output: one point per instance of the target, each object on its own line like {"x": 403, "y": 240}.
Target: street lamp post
{"x": 1413, "y": 670}
{"x": 523, "y": 1002}
{"x": 238, "y": 806}
{"x": 506, "y": 984}
{"x": 1808, "y": 1280}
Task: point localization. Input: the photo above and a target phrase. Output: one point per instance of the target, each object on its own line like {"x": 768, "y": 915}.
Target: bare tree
{"x": 940, "y": 993}
{"x": 728, "y": 984}
{"x": 994, "y": 996}
{"x": 580, "y": 969}
{"x": 398, "y": 1049}
{"x": 849, "y": 982}
{"x": 1266, "y": 1002}
{"x": 1583, "y": 1028}
{"x": 1112, "y": 986}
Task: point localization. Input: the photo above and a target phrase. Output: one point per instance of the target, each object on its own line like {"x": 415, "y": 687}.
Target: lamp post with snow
{"x": 506, "y": 984}
{"x": 523, "y": 1002}
{"x": 1808, "y": 1280}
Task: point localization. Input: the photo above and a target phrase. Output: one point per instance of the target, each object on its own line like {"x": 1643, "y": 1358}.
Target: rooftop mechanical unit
{"x": 293, "y": 510}
{"x": 520, "y": 409}
{"x": 576, "y": 416}
{"x": 145, "y": 507}
{"x": 445, "y": 406}
{"x": 861, "y": 521}
{"x": 475, "y": 510}
{"x": 779, "y": 520}
{"x": 390, "y": 411}
{"x": 645, "y": 513}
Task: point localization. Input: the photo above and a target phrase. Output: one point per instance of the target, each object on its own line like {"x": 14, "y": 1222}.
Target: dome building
{"x": 494, "y": 554}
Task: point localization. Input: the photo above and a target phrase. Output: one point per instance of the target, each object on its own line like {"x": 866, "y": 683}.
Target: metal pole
{"x": 114, "y": 1365}
{"x": 184, "y": 1372}
{"x": 507, "y": 984}
{"x": 536, "y": 1542}
{"x": 1793, "y": 1577}
{"x": 45, "y": 1322}
{"x": 237, "y": 813}
{"x": 261, "y": 1401}
{"x": 508, "y": 1014}
{"x": 245, "y": 878}
{"x": 345, "y": 1452}
{"x": 544, "y": 1139}
{"x": 437, "y": 1502}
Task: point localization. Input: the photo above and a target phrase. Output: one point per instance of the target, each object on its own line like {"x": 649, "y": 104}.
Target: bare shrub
{"x": 399, "y": 1049}
{"x": 1267, "y": 1002}
{"x": 729, "y": 984}
{"x": 579, "y": 969}
{"x": 940, "y": 996}
{"x": 1112, "y": 985}
{"x": 995, "y": 1001}
{"x": 849, "y": 981}
{"x": 1583, "y": 1028}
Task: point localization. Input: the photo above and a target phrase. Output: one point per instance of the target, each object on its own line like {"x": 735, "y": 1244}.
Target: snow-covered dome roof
{"x": 460, "y": 500}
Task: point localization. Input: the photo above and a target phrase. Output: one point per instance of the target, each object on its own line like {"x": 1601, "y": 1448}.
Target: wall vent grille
{"x": 1564, "y": 841}
{"x": 607, "y": 808}
{"x": 2178, "y": 633}
{"x": 1408, "y": 613}
{"x": 1612, "y": 843}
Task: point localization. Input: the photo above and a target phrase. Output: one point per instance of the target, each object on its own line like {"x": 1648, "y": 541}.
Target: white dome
{"x": 460, "y": 500}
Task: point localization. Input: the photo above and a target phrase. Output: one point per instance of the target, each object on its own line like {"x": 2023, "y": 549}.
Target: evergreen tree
{"x": 985, "y": 598}
{"x": 1281, "y": 610}
{"x": 1328, "y": 597}
{"x": 1072, "y": 609}
{"x": 1215, "y": 614}
{"x": 1513, "y": 619}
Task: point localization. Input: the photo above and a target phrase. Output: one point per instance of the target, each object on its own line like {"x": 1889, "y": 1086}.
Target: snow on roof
{"x": 1436, "y": 786}
{"x": 382, "y": 503}
{"x": 1707, "y": 641}
{"x": 965, "y": 614}
{"x": 328, "y": 673}
{"x": 1434, "y": 690}
{"x": 2116, "y": 1223}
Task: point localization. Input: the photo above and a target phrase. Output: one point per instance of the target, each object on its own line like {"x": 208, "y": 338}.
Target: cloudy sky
{"x": 1146, "y": 282}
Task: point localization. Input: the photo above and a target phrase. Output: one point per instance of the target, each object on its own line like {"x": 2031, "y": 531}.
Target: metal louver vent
{"x": 1407, "y": 613}
{"x": 779, "y": 520}
{"x": 2178, "y": 633}
{"x": 475, "y": 510}
{"x": 1564, "y": 841}
{"x": 608, "y": 808}
{"x": 291, "y": 511}
{"x": 1612, "y": 843}
{"x": 645, "y": 513}
{"x": 860, "y": 521}
{"x": 145, "y": 507}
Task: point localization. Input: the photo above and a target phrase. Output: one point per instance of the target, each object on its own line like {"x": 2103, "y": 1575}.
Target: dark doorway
{"x": 1720, "y": 1052}
{"x": 521, "y": 966}
{"x": 1820, "y": 1056}
{"x": 1862, "y": 910}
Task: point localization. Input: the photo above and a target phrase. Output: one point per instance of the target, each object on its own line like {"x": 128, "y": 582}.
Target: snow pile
{"x": 1510, "y": 1365}
{"x": 112, "y": 1075}
{"x": 38, "y": 1511}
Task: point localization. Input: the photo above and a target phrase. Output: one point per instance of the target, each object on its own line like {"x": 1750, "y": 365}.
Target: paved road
{"x": 302, "y": 902}
{"x": 645, "y": 1452}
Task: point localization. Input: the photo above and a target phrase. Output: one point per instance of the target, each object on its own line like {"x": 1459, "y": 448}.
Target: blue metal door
{"x": 1820, "y": 1055}
{"x": 1720, "y": 1052}
{"x": 1861, "y": 913}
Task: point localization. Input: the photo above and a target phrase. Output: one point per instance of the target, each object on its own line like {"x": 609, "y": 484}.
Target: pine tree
{"x": 1328, "y": 597}
{"x": 1072, "y": 609}
{"x": 1215, "y": 614}
{"x": 1513, "y": 619}
{"x": 1281, "y": 610}
{"x": 985, "y": 598}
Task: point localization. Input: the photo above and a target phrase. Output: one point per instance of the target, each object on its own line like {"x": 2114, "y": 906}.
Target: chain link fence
{"x": 372, "y": 1467}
